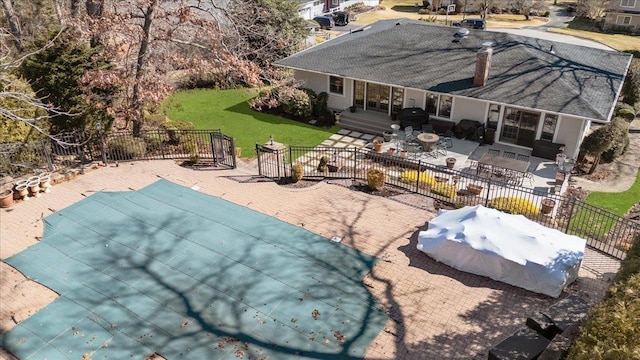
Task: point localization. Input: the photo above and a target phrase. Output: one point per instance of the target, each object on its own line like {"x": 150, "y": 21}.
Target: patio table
{"x": 427, "y": 139}
{"x": 497, "y": 161}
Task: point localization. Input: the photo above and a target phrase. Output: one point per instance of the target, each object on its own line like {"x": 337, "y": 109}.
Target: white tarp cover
{"x": 504, "y": 247}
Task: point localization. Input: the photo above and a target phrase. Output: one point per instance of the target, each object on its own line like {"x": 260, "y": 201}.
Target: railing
{"x": 602, "y": 229}
{"x": 202, "y": 147}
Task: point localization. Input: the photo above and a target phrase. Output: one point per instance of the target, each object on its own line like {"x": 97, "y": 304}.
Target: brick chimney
{"x": 483, "y": 64}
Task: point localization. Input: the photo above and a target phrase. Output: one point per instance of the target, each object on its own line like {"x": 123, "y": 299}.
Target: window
{"x": 444, "y": 110}
{"x": 336, "y": 85}
{"x": 549, "y": 127}
{"x": 628, "y": 3}
{"x": 623, "y": 20}
{"x": 335, "y": 3}
{"x": 432, "y": 104}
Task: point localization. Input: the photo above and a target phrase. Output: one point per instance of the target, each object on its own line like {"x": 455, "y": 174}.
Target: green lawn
{"x": 618, "y": 203}
{"x": 228, "y": 110}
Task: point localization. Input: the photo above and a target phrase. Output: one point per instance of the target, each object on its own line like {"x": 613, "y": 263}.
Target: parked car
{"x": 471, "y": 24}
{"x": 341, "y": 18}
{"x": 324, "y": 21}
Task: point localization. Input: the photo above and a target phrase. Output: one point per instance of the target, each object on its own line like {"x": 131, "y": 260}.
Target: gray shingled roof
{"x": 574, "y": 80}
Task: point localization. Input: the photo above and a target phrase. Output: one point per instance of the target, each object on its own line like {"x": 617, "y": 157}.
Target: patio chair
{"x": 413, "y": 150}
{"x": 529, "y": 175}
{"x": 441, "y": 147}
{"x": 428, "y": 128}
{"x": 408, "y": 134}
{"x": 494, "y": 152}
{"x": 522, "y": 157}
{"x": 509, "y": 154}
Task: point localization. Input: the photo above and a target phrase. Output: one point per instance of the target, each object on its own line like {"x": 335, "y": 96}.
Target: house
{"x": 309, "y": 9}
{"x": 528, "y": 90}
{"x": 623, "y": 14}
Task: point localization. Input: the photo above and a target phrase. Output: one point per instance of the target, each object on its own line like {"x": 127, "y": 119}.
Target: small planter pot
{"x": 547, "y": 206}
{"x": 451, "y": 162}
{"x": 391, "y": 151}
{"x": 23, "y": 191}
{"x": 474, "y": 189}
{"x": 403, "y": 153}
{"x": 45, "y": 182}
{"x": 377, "y": 145}
{"x": 34, "y": 187}
{"x": 6, "y": 198}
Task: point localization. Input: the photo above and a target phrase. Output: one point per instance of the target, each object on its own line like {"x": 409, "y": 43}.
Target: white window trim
{"x": 344, "y": 86}
{"x": 619, "y": 17}
{"x": 627, "y": 6}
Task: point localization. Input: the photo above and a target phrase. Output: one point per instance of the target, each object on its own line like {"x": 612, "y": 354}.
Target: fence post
{"x": 486, "y": 200}
{"x": 418, "y": 176}
{"x": 573, "y": 205}
{"x": 290, "y": 160}
{"x": 47, "y": 155}
{"x": 258, "y": 154}
{"x": 355, "y": 163}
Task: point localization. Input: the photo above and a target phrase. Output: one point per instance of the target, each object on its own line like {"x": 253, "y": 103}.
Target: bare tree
{"x": 15, "y": 29}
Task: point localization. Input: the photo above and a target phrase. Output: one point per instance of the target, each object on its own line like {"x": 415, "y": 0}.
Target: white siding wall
{"x": 569, "y": 132}
{"x": 315, "y": 81}
{"x": 414, "y": 94}
{"x": 464, "y": 108}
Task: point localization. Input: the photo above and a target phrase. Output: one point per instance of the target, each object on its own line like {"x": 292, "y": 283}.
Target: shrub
{"x": 321, "y": 103}
{"x": 625, "y": 111}
{"x": 375, "y": 179}
{"x": 126, "y": 148}
{"x": 191, "y": 147}
{"x": 174, "y": 136}
{"x": 266, "y": 99}
{"x": 154, "y": 143}
{"x": 619, "y": 129}
{"x": 513, "y": 205}
{"x": 612, "y": 327}
{"x": 178, "y": 124}
{"x": 296, "y": 103}
{"x": 297, "y": 172}
{"x": 440, "y": 188}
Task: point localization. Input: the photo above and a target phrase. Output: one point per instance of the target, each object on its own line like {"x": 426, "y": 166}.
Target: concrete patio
{"x": 464, "y": 151}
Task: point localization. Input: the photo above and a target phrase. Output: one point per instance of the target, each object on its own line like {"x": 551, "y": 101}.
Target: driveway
{"x": 558, "y": 18}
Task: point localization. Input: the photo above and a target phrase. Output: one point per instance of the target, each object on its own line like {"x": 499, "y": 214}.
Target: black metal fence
{"x": 602, "y": 229}
{"x": 71, "y": 150}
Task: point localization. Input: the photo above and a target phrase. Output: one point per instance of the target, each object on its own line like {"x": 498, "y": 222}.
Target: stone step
{"x": 372, "y": 125}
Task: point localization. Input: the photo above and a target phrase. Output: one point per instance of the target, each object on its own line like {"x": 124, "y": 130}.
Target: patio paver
{"x": 437, "y": 312}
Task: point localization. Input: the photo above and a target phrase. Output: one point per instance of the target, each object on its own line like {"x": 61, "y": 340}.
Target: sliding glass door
{"x": 519, "y": 127}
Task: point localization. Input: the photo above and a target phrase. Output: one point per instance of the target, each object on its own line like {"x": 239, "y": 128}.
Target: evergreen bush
{"x": 126, "y": 148}
{"x": 375, "y": 179}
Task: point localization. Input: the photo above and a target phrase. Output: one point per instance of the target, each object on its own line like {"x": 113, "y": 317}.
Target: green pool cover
{"x": 172, "y": 271}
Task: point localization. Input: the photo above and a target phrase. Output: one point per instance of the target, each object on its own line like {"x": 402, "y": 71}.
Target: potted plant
{"x": 547, "y": 206}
